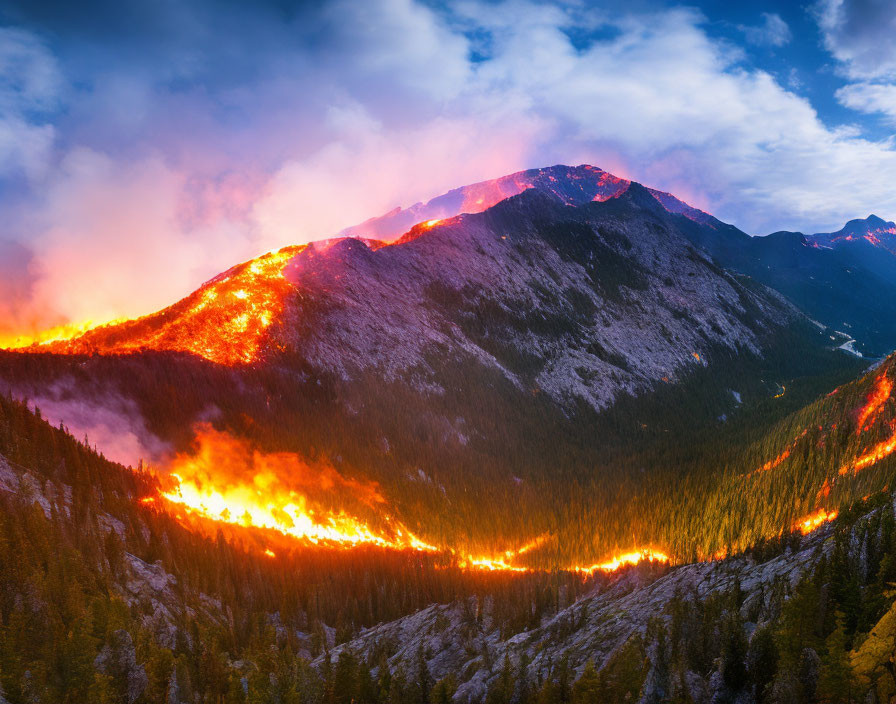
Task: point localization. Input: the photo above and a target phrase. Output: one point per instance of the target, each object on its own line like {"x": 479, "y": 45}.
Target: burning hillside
{"x": 224, "y": 480}
{"x": 224, "y": 321}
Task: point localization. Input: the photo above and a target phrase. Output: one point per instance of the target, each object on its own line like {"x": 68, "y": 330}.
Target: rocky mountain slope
{"x": 112, "y": 600}
{"x": 849, "y": 287}
{"x": 578, "y": 298}
{"x": 464, "y": 639}
{"x": 475, "y": 361}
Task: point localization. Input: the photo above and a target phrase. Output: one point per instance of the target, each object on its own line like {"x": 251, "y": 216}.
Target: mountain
{"x": 130, "y": 603}
{"x": 572, "y": 184}
{"x": 581, "y": 299}
{"x": 845, "y": 280}
{"x": 537, "y": 356}
{"x": 872, "y": 230}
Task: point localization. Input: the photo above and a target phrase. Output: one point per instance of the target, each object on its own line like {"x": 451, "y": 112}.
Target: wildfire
{"x": 54, "y": 334}
{"x": 628, "y": 558}
{"x": 224, "y": 480}
{"x": 814, "y": 520}
{"x": 773, "y": 463}
{"x": 883, "y": 387}
{"x": 868, "y": 415}
{"x": 224, "y": 321}
{"x": 489, "y": 563}
{"x": 227, "y": 481}
{"x": 875, "y": 454}
{"x": 504, "y": 562}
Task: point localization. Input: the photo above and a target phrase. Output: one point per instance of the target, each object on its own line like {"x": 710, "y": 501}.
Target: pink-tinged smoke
{"x": 122, "y": 240}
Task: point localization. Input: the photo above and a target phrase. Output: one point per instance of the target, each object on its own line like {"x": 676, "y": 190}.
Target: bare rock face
{"x": 118, "y": 659}
{"x": 593, "y": 628}
{"x": 581, "y": 301}
{"x": 566, "y": 281}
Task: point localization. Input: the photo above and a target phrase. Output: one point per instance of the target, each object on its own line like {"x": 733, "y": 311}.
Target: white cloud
{"x": 387, "y": 107}
{"x": 662, "y": 97}
{"x": 772, "y": 31}
{"x": 29, "y": 84}
{"x": 859, "y": 33}
{"x": 870, "y": 98}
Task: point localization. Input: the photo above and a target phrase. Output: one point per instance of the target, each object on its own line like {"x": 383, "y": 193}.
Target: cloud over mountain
{"x": 220, "y": 133}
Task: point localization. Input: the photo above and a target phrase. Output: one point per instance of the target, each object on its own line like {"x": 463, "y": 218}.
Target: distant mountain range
{"x": 850, "y": 287}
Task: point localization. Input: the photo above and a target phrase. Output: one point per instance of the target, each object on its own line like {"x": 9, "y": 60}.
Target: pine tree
{"x": 734, "y": 654}
{"x": 656, "y": 686}
{"x": 762, "y": 662}
{"x": 501, "y": 691}
{"x": 443, "y": 690}
{"x": 587, "y": 689}
{"x": 835, "y": 680}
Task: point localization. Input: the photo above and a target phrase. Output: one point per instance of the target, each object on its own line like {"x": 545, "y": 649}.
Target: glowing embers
{"x": 504, "y": 561}
{"x": 51, "y": 335}
{"x": 228, "y": 481}
{"x": 490, "y": 564}
{"x": 628, "y": 558}
{"x": 874, "y": 405}
{"x": 785, "y": 453}
{"x": 225, "y": 321}
{"x": 880, "y": 451}
{"x": 809, "y": 523}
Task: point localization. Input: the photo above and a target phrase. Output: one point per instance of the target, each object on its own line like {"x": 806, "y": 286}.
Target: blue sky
{"x": 145, "y": 146}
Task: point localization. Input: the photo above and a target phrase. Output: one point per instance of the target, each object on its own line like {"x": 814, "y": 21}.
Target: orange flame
{"x": 227, "y": 481}
{"x": 814, "y": 520}
{"x": 490, "y": 564}
{"x": 875, "y": 454}
{"x": 628, "y": 558}
{"x": 883, "y": 387}
{"x": 773, "y": 463}
{"x": 224, "y": 321}
{"x": 54, "y": 334}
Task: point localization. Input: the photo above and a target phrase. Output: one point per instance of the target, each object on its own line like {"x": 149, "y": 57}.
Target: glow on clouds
{"x": 392, "y": 103}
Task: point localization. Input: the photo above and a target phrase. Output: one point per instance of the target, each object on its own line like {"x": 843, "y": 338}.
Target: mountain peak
{"x": 574, "y": 185}
{"x": 872, "y": 230}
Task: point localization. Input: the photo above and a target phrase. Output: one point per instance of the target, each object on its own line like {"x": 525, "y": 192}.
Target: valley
{"x": 525, "y": 437}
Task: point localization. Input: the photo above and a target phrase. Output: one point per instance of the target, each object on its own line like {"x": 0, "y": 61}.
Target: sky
{"x": 147, "y": 145}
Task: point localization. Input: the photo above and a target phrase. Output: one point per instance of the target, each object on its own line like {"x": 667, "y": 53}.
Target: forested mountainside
{"x": 801, "y": 619}
{"x": 535, "y": 357}
{"x": 106, "y": 598}
{"x": 103, "y": 598}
